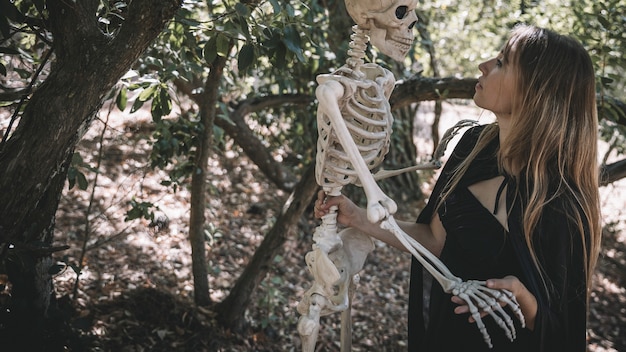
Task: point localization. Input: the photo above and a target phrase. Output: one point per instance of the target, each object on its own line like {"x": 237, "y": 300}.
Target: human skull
{"x": 390, "y": 24}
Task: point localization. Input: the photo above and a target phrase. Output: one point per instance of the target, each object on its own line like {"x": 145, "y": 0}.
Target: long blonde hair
{"x": 553, "y": 134}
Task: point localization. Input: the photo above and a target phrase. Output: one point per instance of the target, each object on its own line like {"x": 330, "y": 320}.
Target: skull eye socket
{"x": 401, "y": 12}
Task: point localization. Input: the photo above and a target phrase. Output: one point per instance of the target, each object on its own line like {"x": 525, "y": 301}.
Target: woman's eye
{"x": 498, "y": 62}
{"x": 401, "y": 12}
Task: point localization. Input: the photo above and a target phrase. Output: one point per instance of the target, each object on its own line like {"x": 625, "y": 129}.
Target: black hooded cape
{"x": 560, "y": 323}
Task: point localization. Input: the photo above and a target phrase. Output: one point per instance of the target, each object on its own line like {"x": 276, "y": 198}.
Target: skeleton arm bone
{"x": 351, "y": 215}
{"x": 435, "y": 163}
{"x": 475, "y": 293}
{"x": 425, "y": 242}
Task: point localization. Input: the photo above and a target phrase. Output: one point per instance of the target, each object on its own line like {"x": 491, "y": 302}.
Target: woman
{"x": 516, "y": 203}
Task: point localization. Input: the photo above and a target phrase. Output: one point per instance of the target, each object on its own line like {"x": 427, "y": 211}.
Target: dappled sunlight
{"x": 126, "y": 258}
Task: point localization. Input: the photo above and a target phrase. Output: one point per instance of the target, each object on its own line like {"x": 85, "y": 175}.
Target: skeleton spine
{"x": 356, "y": 53}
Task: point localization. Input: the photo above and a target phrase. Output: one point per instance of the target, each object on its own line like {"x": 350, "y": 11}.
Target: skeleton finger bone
{"x": 509, "y": 298}
{"x": 476, "y": 315}
{"x": 489, "y": 305}
{"x": 493, "y": 307}
{"x": 474, "y": 293}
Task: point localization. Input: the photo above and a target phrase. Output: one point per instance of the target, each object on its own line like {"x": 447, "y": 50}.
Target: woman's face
{"x": 496, "y": 86}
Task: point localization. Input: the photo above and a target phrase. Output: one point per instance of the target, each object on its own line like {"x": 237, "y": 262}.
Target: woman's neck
{"x": 504, "y": 125}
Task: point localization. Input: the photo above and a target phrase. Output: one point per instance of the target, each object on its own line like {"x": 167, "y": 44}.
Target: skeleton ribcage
{"x": 367, "y": 116}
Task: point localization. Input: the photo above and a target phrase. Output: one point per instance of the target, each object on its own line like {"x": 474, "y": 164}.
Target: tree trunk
{"x": 207, "y": 103}
{"x": 231, "y": 310}
{"x": 34, "y": 158}
{"x": 27, "y": 264}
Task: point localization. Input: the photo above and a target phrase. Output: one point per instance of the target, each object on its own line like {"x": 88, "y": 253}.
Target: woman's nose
{"x": 482, "y": 67}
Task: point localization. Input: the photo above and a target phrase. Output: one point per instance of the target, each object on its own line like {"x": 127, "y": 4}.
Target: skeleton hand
{"x": 481, "y": 300}
{"x": 474, "y": 294}
{"x": 527, "y": 301}
{"x": 348, "y": 213}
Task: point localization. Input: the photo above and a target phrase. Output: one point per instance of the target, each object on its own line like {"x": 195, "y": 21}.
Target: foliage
{"x": 274, "y": 52}
{"x": 75, "y": 174}
{"x": 140, "y": 210}
{"x": 280, "y": 46}
{"x": 600, "y": 25}
{"x": 475, "y": 33}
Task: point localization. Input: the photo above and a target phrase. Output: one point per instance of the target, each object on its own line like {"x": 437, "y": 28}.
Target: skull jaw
{"x": 396, "y": 47}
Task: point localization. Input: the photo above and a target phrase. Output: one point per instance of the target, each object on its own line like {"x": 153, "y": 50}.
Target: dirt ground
{"x": 135, "y": 290}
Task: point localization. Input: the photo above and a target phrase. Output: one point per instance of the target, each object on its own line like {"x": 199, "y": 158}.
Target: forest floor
{"x": 135, "y": 289}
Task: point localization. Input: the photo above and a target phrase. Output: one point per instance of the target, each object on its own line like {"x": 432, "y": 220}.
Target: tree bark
{"x": 207, "y": 103}
{"x": 231, "y": 310}
{"x": 34, "y": 158}
{"x": 420, "y": 88}
{"x": 613, "y": 172}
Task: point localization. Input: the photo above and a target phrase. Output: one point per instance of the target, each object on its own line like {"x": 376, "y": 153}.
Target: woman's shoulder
{"x": 470, "y": 137}
{"x": 468, "y": 141}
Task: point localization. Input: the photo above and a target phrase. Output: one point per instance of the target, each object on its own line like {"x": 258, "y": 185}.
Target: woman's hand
{"x": 348, "y": 213}
{"x": 526, "y": 300}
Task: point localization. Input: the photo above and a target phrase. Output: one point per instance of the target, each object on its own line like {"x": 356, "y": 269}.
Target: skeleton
{"x": 354, "y": 121}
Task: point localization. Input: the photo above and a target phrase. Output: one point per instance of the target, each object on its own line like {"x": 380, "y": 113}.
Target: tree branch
{"x": 613, "y": 172}
{"x": 418, "y": 88}
{"x": 238, "y": 129}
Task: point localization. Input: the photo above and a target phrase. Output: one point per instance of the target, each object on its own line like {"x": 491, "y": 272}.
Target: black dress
{"x": 478, "y": 247}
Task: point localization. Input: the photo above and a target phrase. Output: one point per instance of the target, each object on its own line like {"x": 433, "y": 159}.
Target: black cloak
{"x": 560, "y": 323}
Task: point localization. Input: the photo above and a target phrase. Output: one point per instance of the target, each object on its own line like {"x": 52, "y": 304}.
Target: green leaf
{"x": 223, "y": 45}
{"x": 273, "y": 39}
{"x": 57, "y": 268}
{"x": 140, "y": 210}
{"x": 136, "y": 105}
{"x": 246, "y": 57}
{"x": 77, "y": 159}
{"x": 11, "y": 12}
{"x": 75, "y": 268}
{"x": 606, "y": 80}
{"x": 210, "y": 50}
{"x": 5, "y": 29}
{"x": 276, "y": 6}
{"x": 122, "y": 99}
{"x": 280, "y": 55}
{"x": 166, "y": 101}
{"x": 242, "y": 9}
{"x": 291, "y": 12}
{"x": 71, "y": 177}
{"x": 82, "y": 181}
{"x": 155, "y": 110}
{"x": 604, "y": 22}
{"x": 188, "y": 21}
{"x": 147, "y": 93}
{"x": 292, "y": 42}
{"x": 242, "y": 24}
{"x": 39, "y": 4}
